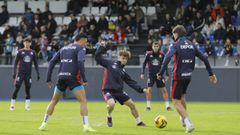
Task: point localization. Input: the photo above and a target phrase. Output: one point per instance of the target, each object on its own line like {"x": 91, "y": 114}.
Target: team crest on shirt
{"x": 114, "y": 66}
{"x": 23, "y": 52}
{"x": 27, "y": 59}
{"x": 160, "y": 56}
{"x": 151, "y": 56}
{"x": 155, "y": 62}
{"x": 31, "y": 53}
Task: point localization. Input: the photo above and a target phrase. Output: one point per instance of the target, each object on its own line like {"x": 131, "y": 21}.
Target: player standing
{"x": 112, "y": 87}
{"x": 154, "y": 60}
{"x": 71, "y": 70}
{"x": 184, "y": 52}
{"x": 22, "y": 72}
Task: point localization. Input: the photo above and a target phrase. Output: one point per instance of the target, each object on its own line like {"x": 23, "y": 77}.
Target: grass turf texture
{"x": 208, "y": 119}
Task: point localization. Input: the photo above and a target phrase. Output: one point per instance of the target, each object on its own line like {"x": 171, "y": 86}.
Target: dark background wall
{"x": 200, "y": 89}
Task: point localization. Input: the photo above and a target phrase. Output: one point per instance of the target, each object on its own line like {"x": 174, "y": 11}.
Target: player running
{"x": 112, "y": 87}
{"x": 71, "y": 58}
{"x": 22, "y": 72}
{"x": 154, "y": 60}
{"x": 184, "y": 52}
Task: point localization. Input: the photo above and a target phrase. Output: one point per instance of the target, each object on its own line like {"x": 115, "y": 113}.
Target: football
{"x": 160, "y": 121}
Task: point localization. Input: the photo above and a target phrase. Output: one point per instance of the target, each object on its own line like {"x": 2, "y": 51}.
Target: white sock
{"x": 27, "y": 103}
{"x": 46, "y": 118}
{"x": 85, "y": 120}
{"x": 12, "y": 102}
{"x": 109, "y": 114}
{"x": 187, "y": 122}
{"x": 167, "y": 104}
{"x": 148, "y": 103}
{"x": 138, "y": 120}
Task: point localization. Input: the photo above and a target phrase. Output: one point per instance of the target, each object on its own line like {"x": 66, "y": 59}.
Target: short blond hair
{"x": 124, "y": 53}
{"x": 180, "y": 30}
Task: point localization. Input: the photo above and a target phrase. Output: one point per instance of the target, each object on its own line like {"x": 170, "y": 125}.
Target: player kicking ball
{"x": 71, "y": 58}
{"x": 112, "y": 88}
{"x": 154, "y": 60}
{"x": 184, "y": 52}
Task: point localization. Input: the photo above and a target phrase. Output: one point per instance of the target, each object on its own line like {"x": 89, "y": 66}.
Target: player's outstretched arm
{"x": 132, "y": 83}
{"x": 98, "y": 55}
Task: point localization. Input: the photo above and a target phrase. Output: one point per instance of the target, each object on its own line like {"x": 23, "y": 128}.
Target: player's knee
{"x": 164, "y": 91}
{"x": 132, "y": 106}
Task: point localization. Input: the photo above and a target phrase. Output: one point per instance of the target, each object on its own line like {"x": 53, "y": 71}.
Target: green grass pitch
{"x": 208, "y": 119}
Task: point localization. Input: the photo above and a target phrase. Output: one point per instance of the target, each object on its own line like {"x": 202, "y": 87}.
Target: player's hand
{"x": 142, "y": 76}
{"x": 213, "y": 79}
{"x": 146, "y": 91}
{"x": 38, "y": 77}
{"x": 85, "y": 83}
{"x": 50, "y": 84}
{"x": 166, "y": 78}
{"x": 159, "y": 77}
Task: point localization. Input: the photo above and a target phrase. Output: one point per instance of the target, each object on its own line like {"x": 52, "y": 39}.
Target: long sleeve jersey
{"x": 23, "y": 62}
{"x": 115, "y": 74}
{"x": 71, "y": 59}
{"x": 184, "y": 52}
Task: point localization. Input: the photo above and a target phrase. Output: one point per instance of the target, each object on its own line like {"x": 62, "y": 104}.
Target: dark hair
{"x": 80, "y": 36}
{"x": 180, "y": 30}
{"x": 27, "y": 40}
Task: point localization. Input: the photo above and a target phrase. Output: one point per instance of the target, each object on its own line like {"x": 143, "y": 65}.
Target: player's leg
{"x": 161, "y": 85}
{"x": 17, "y": 82}
{"x": 79, "y": 93}
{"x": 110, "y": 107}
{"x": 134, "y": 112}
{"x": 50, "y": 109}
{"x": 149, "y": 98}
{"x": 150, "y": 83}
{"x": 27, "y": 82}
{"x": 178, "y": 90}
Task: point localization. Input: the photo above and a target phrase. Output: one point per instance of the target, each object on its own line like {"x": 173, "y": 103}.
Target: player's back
{"x": 69, "y": 61}
{"x": 184, "y": 59}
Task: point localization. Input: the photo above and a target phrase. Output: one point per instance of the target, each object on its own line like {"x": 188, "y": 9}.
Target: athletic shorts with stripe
{"x": 63, "y": 84}
{"x": 121, "y": 97}
{"x": 179, "y": 87}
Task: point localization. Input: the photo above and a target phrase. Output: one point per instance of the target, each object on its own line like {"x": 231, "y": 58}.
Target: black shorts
{"x": 23, "y": 77}
{"x": 179, "y": 87}
{"x": 121, "y": 97}
{"x": 152, "y": 79}
{"x": 63, "y": 84}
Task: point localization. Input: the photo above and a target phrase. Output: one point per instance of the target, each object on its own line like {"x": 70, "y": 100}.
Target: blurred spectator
{"x": 120, "y": 36}
{"x": 35, "y": 33}
{"x": 73, "y": 7}
{"x": 102, "y": 23}
{"x": 9, "y": 43}
{"x": 218, "y": 10}
{"x": 93, "y": 34}
{"x": 168, "y": 23}
{"x": 198, "y": 22}
{"x": 208, "y": 29}
{"x": 207, "y": 12}
{"x": 83, "y": 22}
{"x": 37, "y": 21}
{"x": 4, "y": 15}
{"x": 8, "y": 30}
{"x": 43, "y": 43}
{"x": 45, "y": 15}
{"x": 51, "y": 26}
{"x": 19, "y": 41}
{"x": 72, "y": 26}
{"x": 112, "y": 9}
{"x": 227, "y": 17}
{"x": 220, "y": 33}
{"x": 237, "y": 55}
{"x": 198, "y": 37}
{"x": 231, "y": 33}
{"x": 209, "y": 48}
{"x": 120, "y": 22}
{"x": 228, "y": 50}
{"x": 221, "y": 21}
{"x": 152, "y": 36}
{"x": 111, "y": 25}
{"x": 29, "y": 15}
{"x": 188, "y": 15}
{"x": 92, "y": 21}
{"x": 236, "y": 6}
{"x": 131, "y": 26}
{"x": 139, "y": 17}
{"x": 124, "y": 10}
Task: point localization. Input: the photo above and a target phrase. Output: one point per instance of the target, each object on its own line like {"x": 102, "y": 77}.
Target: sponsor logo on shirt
{"x": 155, "y": 62}
{"x": 187, "y": 61}
{"x": 27, "y": 59}
{"x": 65, "y": 73}
{"x": 186, "y": 46}
{"x": 66, "y": 60}
{"x": 186, "y": 74}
